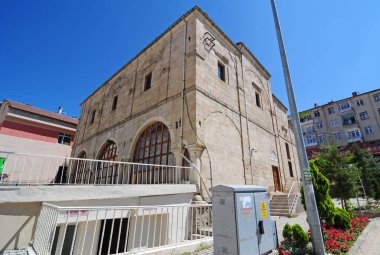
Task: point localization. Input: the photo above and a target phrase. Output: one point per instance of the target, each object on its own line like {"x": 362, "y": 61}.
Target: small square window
{"x": 221, "y": 72}
{"x": 316, "y": 114}
{"x": 331, "y": 110}
{"x": 258, "y": 101}
{"x": 376, "y": 97}
{"x": 359, "y": 102}
{"x": 148, "y": 82}
{"x": 64, "y": 139}
{"x": 93, "y": 116}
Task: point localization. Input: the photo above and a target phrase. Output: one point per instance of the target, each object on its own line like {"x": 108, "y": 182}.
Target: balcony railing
{"x": 32, "y": 169}
{"x": 119, "y": 229}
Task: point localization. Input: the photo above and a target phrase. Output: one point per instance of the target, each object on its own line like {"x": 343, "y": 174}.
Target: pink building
{"x": 24, "y": 128}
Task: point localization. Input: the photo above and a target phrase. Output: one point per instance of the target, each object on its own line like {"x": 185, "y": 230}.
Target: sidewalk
{"x": 368, "y": 242}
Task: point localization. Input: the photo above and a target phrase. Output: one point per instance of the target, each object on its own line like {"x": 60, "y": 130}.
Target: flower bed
{"x": 337, "y": 241}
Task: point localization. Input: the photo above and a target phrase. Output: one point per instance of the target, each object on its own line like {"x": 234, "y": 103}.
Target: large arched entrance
{"x": 152, "y": 147}
{"x": 107, "y": 172}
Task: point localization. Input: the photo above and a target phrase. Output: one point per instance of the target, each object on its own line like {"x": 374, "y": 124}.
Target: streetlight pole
{"x": 311, "y": 205}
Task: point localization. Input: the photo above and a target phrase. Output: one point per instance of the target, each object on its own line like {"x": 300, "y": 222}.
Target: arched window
{"x": 107, "y": 172}
{"x": 82, "y": 170}
{"x": 153, "y": 145}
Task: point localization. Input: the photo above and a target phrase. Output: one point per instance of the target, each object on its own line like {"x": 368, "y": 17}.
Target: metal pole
{"x": 311, "y": 206}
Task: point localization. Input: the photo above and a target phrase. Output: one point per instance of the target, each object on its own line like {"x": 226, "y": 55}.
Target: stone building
{"x": 192, "y": 92}
{"x": 191, "y": 102}
{"x": 341, "y": 123}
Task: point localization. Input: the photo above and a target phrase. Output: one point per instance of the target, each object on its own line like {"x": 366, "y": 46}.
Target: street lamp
{"x": 311, "y": 205}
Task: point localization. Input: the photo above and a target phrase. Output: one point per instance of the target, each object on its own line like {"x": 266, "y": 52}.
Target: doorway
{"x": 276, "y": 179}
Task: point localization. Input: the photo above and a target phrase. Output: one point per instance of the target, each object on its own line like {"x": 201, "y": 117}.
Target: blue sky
{"x": 57, "y": 52}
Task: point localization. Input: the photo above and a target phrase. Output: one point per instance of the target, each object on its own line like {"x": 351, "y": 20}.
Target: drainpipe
{"x": 184, "y": 82}
{"x": 246, "y": 116}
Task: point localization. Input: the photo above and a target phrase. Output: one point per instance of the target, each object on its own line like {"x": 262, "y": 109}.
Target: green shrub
{"x": 287, "y": 233}
{"x": 342, "y": 219}
{"x": 300, "y": 237}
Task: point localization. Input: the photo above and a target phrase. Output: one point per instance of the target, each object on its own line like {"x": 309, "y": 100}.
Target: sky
{"x": 57, "y": 52}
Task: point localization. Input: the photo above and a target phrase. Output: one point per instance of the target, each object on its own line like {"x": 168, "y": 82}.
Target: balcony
{"x": 23, "y": 169}
{"x": 120, "y": 229}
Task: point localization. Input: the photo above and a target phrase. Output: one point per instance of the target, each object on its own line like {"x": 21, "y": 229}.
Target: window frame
{"x": 331, "y": 110}
{"x": 360, "y": 102}
{"x": 368, "y": 128}
{"x": 258, "y": 99}
{"x": 64, "y": 136}
{"x": 114, "y": 103}
{"x": 376, "y": 97}
{"x": 221, "y": 71}
{"x": 335, "y": 121}
{"x": 148, "y": 77}
{"x": 364, "y": 115}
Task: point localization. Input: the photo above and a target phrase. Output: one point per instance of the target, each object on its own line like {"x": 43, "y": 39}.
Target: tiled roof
{"x": 31, "y": 109}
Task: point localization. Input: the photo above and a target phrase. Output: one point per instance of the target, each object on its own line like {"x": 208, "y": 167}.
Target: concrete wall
{"x": 18, "y": 222}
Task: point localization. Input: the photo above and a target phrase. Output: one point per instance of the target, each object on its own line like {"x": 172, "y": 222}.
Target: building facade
{"x": 341, "y": 123}
{"x": 190, "y": 111}
{"x": 27, "y": 129}
{"x": 193, "y": 92}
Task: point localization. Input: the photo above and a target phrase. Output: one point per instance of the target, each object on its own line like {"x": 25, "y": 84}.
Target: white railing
{"x": 293, "y": 195}
{"x": 119, "y": 229}
{"x": 32, "y": 169}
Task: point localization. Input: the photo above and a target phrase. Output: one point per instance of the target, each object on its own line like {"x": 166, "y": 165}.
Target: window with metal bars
{"x": 153, "y": 147}
{"x": 107, "y": 172}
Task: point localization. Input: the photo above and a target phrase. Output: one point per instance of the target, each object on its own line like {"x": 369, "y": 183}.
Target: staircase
{"x": 279, "y": 205}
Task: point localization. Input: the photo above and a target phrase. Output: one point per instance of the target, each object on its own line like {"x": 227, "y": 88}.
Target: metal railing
{"x": 33, "y": 169}
{"x": 119, "y": 229}
{"x": 293, "y": 195}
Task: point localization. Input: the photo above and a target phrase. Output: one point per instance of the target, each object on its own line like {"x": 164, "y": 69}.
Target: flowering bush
{"x": 337, "y": 241}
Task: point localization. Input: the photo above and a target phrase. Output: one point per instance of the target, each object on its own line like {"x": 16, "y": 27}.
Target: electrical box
{"x": 241, "y": 220}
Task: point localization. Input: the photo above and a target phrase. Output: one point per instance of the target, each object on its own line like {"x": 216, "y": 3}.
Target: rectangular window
{"x": 310, "y": 139}
{"x": 319, "y": 125}
{"x": 148, "y": 82}
{"x": 376, "y": 97}
{"x": 221, "y": 72}
{"x": 287, "y": 150}
{"x": 354, "y": 134}
{"x": 321, "y": 138}
{"x": 364, "y": 116}
{"x": 64, "y": 138}
{"x": 331, "y": 110}
{"x": 334, "y": 123}
{"x": 307, "y": 117}
{"x": 290, "y": 168}
{"x": 309, "y": 130}
{"x": 359, "y": 102}
{"x": 368, "y": 130}
{"x": 114, "y": 103}
{"x": 345, "y": 106}
{"x": 316, "y": 114}
{"x": 349, "y": 121}
{"x": 93, "y": 116}
{"x": 337, "y": 136}
{"x": 258, "y": 102}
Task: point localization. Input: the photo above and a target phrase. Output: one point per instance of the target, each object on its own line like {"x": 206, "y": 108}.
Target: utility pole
{"x": 311, "y": 205}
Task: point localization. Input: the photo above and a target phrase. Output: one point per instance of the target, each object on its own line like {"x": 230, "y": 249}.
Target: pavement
{"x": 368, "y": 242}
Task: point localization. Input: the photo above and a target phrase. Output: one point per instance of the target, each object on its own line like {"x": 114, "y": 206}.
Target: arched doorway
{"x": 107, "y": 172}
{"x": 152, "y": 147}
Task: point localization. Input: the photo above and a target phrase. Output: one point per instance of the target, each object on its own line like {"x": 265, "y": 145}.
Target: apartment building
{"x": 192, "y": 110}
{"x": 341, "y": 123}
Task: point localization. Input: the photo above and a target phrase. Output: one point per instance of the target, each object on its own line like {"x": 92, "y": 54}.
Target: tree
{"x": 341, "y": 172}
{"x": 369, "y": 170}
